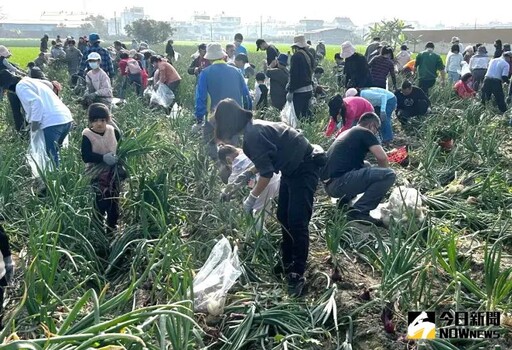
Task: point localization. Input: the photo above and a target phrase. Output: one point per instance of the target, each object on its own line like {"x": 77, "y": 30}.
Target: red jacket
{"x": 463, "y": 90}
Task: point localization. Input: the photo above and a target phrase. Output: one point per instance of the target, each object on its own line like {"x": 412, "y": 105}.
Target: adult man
{"x": 411, "y": 102}
{"x": 239, "y": 39}
{"x": 497, "y": 73}
{"x": 372, "y": 47}
{"x": 243, "y": 65}
{"x": 345, "y": 175}
{"x": 219, "y": 81}
{"x": 43, "y": 109}
{"x": 428, "y": 63}
{"x": 73, "y": 58}
{"x": 300, "y": 87}
{"x": 381, "y": 66}
{"x": 43, "y": 47}
{"x": 272, "y": 52}
{"x": 106, "y": 61}
{"x": 320, "y": 50}
{"x": 278, "y": 79}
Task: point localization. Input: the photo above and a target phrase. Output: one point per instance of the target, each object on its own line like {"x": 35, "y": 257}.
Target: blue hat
{"x": 93, "y": 37}
{"x": 283, "y": 59}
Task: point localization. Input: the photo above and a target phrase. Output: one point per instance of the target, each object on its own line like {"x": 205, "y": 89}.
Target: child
{"x": 239, "y": 163}
{"x": 338, "y": 68}
{"x": 261, "y": 92}
{"x": 99, "y": 146}
{"x": 6, "y": 267}
{"x": 99, "y": 88}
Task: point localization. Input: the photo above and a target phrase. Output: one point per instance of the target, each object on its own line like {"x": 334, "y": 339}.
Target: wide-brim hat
{"x": 455, "y": 39}
{"x": 214, "y": 51}
{"x": 347, "y": 49}
{"x": 300, "y": 41}
{"x": 482, "y": 50}
{"x": 4, "y": 52}
{"x": 94, "y": 37}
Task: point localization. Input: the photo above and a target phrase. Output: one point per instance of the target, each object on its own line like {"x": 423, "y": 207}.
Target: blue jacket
{"x": 220, "y": 81}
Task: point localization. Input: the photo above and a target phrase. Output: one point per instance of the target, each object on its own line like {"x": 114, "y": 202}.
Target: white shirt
{"x": 402, "y": 58}
{"x": 41, "y": 104}
{"x": 453, "y": 62}
{"x": 478, "y": 62}
{"x": 498, "y": 68}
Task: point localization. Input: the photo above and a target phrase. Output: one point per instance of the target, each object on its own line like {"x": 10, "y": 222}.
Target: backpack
{"x": 132, "y": 66}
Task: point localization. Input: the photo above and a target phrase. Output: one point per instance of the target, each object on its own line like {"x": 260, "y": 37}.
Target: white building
{"x": 127, "y": 16}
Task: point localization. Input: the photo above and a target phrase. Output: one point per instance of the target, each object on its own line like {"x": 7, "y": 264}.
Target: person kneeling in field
{"x": 462, "y": 87}
{"x": 243, "y": 171}
{"x": 411, "y": 102}
{"x": 346, "y": 174}
{"x": 99, "y": 88}
{"x": 99, "y": 146}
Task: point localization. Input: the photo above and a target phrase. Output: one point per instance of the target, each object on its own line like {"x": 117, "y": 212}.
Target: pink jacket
{"x": 355, "y": 108}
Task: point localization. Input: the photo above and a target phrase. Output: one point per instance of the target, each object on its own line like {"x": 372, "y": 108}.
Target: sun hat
{"x": 300, "y": 41}
{"x": 4, "y": 52}
{"x": 282, "y": 59}
{"x": 214, "y": 52}
{"x": 455, "y": 39}
{"x": 347, "y": 49}
{"x": 94, "y": 56}
{"x": 132, "y": 53}
{"x": 351, "y": 92}
{"x": 94, "y": 37}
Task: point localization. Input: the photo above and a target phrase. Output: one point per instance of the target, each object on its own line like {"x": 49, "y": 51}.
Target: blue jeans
{"x": 453, "y": 77}
{"x": 374, "y": 182}
{"x": 54, "y": 137}
{"x": 386, "y": 128}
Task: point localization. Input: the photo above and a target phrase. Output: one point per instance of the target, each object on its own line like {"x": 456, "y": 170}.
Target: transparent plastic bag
{"x": 288, "y": 115}
{"x": 37, "y": 157}
{"x": 163, "y": 96}
{"x": 218, "y": 274}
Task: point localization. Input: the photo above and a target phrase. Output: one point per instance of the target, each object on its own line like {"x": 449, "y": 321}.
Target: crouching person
{"x": 346, "y": 175}
{"x": 99, "y": 146}
{"x": 6, "y": 268}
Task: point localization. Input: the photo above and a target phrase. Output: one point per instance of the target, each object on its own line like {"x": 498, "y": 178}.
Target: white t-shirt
{"x": 41, "y": 104}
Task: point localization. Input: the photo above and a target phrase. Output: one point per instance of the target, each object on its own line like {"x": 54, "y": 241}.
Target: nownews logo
{"x": 453, "y": 325}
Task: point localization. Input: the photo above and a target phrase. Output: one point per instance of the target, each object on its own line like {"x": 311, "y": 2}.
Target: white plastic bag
{"x": 163, "y": 96}
{"x": 288, "y": 115}
{"x": 36, "y": 156}
{"x": 218, "y": 274}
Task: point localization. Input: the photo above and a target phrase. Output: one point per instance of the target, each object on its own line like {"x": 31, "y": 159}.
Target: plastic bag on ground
{"x": 37, "y": 157}
{"x": 163, "y": 96}
{"x": 218, "y": 274}
{"x": 288, "y": 115}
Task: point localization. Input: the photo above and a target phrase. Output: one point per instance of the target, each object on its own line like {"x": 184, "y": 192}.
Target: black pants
{"x": 426, "y": 85}
{"x": 493, "y": 86}
{"x": 420, "y": 108}
{"x": 14, "y": 101}
{"x": 295, "y": 207}
{"x": 301, "y": 104}
{"x": 107, "y": 202}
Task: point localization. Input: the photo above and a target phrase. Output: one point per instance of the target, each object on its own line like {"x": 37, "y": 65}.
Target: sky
{"x": 449, "y": 13}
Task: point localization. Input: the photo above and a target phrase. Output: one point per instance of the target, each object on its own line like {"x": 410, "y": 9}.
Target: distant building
{"x": 344, "y": 23}
{"x": 306, "y": 25}
{"x": 333, "y": 36}
{"x": 117, "y": 24}
{"x": 203, "y": 27}
{"x": 52, "y": 23}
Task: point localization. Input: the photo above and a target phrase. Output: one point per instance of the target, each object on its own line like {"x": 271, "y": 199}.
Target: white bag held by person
{"x": 163, "y": 96}
{"x": 288, "y": 115}
{"x": 218, "y": 274}
{"x": 36, "y": 156}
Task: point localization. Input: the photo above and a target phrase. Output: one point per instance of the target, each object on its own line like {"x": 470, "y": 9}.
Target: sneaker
{"x": 356, "y": 215}
{"x": 296, "y": 284}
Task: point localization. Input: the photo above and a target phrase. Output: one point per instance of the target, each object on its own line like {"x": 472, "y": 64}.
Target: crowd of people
{"x": 287, "y": 165}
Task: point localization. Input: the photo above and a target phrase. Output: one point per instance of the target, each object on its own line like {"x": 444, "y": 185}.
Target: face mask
{"x": 94, "y": 65}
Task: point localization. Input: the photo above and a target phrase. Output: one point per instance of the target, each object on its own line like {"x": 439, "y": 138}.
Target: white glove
{"x": 249, "y": 203}
{"x": 289, "y": 96}
{"x": 110, "y": 158}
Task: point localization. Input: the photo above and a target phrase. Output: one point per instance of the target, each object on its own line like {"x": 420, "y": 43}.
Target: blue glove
{"x": 249, "y": 203}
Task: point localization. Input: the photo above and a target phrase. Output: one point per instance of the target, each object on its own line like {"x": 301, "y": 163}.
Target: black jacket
{"x": 301, "y": 70}
{"x": 357, "y": 72}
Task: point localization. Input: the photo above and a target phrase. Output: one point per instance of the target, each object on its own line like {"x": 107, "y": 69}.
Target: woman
{"x": 357, "y": 71}
{"x": 274, "y": 147}
{"x": 462, "y": 87}
{"x": 14, "y": 101}
{"x": 453, "y": 63}
{"x": 478, "y": 66}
